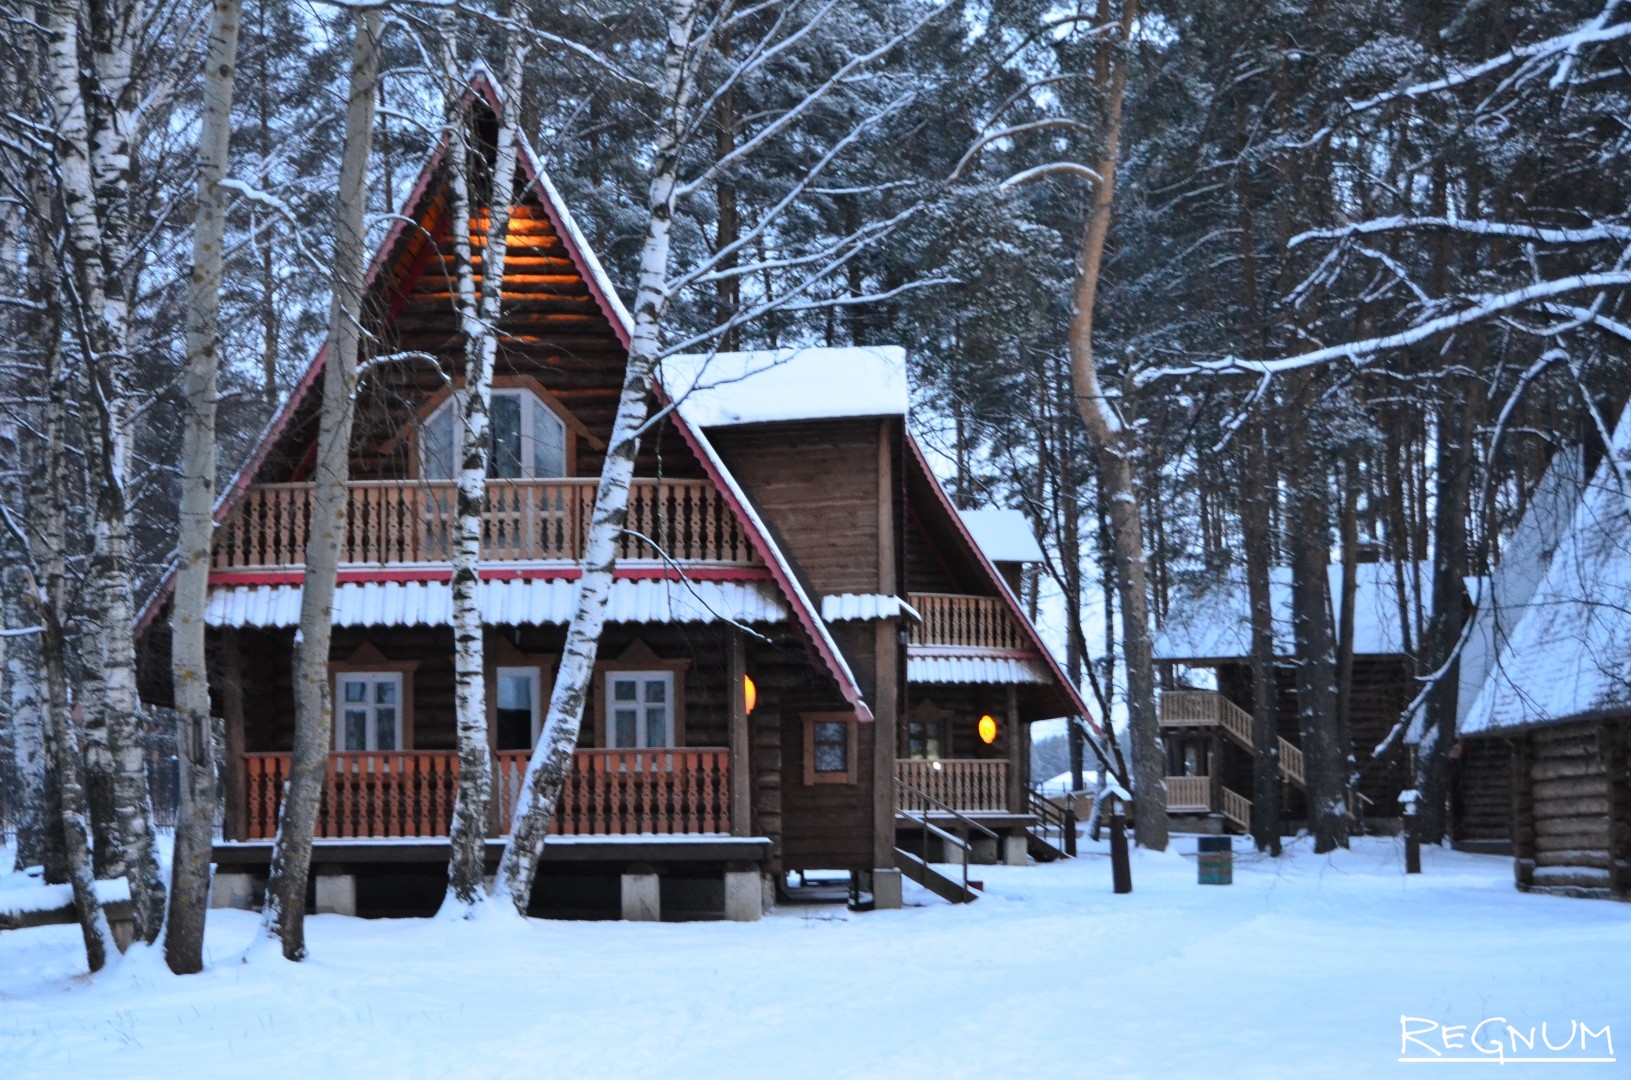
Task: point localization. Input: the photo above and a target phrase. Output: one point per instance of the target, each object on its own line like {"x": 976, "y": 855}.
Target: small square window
{"x": 829, "y": 748}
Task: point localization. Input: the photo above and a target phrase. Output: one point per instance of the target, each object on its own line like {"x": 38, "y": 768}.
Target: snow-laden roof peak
{"x": 814, "y": 383}
{"x": 1004, "y": 535}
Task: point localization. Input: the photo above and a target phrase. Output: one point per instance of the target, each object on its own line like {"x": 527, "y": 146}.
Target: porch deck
{"x": 409, "y": 794}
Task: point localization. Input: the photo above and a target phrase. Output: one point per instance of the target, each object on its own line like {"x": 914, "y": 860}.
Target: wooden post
{"x": 232, "y": 712}
{"x": 1523, "y": 812}
{"x": 888, "y": 661}
{"x": 740, "y": 776}
{"x": 1016, "y": 755}
{"x": 1121, "y": 869}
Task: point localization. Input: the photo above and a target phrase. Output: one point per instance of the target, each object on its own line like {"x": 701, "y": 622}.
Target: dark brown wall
{"x": 817, "y": 486}
{"x": 1481, "y": 791}
{"x": 1565, "y": 829}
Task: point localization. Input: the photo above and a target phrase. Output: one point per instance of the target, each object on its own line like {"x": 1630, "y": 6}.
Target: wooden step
{"x": 927, "y": 876}
{"x": 1041, "y": 848}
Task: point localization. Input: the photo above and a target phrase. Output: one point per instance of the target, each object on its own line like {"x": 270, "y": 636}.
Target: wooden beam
{"x": 1018, "y": 758}
{"x": 741, "y": 754}
{"x": 232, "y": 712}
{"x": 887, "y": 657}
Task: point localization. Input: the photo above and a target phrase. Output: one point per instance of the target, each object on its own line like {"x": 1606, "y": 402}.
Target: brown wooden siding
{"x": 1482, "y": 791}
{"x": 817, "y": 486}
{"x": 1564, "y": 797}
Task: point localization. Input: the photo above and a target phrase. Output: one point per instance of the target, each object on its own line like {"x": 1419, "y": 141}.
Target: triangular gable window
{"x": 528, "y": 439}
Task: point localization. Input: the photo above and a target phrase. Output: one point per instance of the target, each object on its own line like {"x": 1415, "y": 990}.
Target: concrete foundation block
{"x": 233, "y": 891}
{"x": 982, "y": 850}
{"x": 336, "y": 894}
{"x": 1013, "y": 851}
{"x": 642, "y": 898}
{"x": 886, "y": 890}
{"x": 744, "y": 896}
{"x": 124, "y": 931}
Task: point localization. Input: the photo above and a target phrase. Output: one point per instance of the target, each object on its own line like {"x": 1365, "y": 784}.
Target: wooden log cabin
{"x": 1207, "y": 732}
{"x": 1557, "y": 698}
{"x": 807, "y": 658}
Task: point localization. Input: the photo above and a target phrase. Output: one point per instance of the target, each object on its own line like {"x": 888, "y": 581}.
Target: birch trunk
{"x": 195, "y": 824}
{"x": 20, "y": 667}
{"x": 552, "y": 758}
{"x": 1114, "y": 446}
{"x": 93, "y": 167}
{"x": 478, "y": 320}
{"x": 284, "y": 915}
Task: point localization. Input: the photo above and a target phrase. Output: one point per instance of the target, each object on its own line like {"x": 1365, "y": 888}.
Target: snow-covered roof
{"x": 1212, "y": 621}
{"x": 1570, "y": 653}
{"x": 1503, "y": 597}
{"x": 1004, "y": 535}
{"x": 722, "y": 389}
{"x": 974, "y": 669}
{"x": 503, "y": 603}
{"x": 865, "y": 607}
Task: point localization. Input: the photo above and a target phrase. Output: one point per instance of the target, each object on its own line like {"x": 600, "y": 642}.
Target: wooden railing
{"x": 977, "y": 622}
{"x": 1237, "y": 808}
{"x": 967, "y": 784}
{"x": 1208, "y": 708}
{"x": 409, "y": 793}
{"x": 1189, "y": 793}
{"x": 403, "y": 521}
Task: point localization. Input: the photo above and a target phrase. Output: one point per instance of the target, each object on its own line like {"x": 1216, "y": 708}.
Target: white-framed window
{"x": 829, "y": 748}
{"x": 517, "y": 707}
{"x": 368, "y": 711}
{"x": 528, "y": 441}
{"x": 639, "y": 709}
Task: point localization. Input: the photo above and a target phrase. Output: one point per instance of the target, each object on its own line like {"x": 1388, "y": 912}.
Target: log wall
{"x": 1568, "y": 809}
{"x": 1481, "y": 792}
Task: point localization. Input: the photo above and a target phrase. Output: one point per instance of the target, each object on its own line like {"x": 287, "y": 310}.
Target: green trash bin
{"x": 1215, "y": 860}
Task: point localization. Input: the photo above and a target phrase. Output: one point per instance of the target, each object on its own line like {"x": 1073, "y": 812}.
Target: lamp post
{"x": 1412, "y": 839}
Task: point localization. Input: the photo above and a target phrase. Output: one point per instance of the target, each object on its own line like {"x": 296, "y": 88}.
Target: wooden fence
{"x": 970, "y": 784}
{"x": 980, "y": 622}
{"x": 410, "y": 793}
{"x": 526, "y": 520}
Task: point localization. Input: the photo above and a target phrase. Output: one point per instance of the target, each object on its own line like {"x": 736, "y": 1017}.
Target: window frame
{"x": 453, "y": 402}
{"x": 371, "y": 731}
{"x": 637, "y": 658}
{"x": 641, "y": 678}
{"x": 536, "y": 674}
{"x": 812, "y": 775}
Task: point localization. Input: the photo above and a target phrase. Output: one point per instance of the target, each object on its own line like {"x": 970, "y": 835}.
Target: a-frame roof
{"x": 393, "y": 270}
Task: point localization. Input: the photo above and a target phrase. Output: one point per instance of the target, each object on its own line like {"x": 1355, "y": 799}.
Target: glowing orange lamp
{"x": 988, "y": 729}
{"x": 750, "y": 694}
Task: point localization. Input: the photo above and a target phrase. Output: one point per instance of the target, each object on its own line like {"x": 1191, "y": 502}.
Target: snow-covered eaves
{"x": 724, "y": 389}
{"x": 503, "y": 603}
{"x": 865, "y": 607}
{"x": 1004, "y": 535}
{"x": 1212, "y": 620}
{"x": 1569, "y": 656}
{"x": 974, "y": 669}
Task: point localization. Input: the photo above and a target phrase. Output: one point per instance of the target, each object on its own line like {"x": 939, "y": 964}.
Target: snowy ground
{"x": 1301, "y": 968}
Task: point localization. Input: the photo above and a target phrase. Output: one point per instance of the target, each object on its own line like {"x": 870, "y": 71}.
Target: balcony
{"x": 409, "y": 793}
{"x": 967, "y": 785}
{"x": 966, "y": 622}
{"x": 396, "y": 522}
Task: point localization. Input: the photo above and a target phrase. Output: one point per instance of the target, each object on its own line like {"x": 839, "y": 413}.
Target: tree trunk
{"x": 284, "y": 916}
{"x": 1308, "y": 537}
{"x": 552, "y": 757}
{"x": 1114, "y": 446}
{"x": 94, "y": 166}
{"x": 195, "y": 824}
{"x": 478, "y": 319}
{"x": 1259, "y": 545}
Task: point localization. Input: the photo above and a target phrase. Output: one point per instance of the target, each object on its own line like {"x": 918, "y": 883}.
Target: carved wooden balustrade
{"x": 409, "y": 793}
{"x": 404, "y": 521}
{"x": 968, "y": 784}
{"x": 976, "y": 622}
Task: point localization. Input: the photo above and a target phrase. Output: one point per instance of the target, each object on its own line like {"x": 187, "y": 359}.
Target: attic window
{"x": 528, "y": 439}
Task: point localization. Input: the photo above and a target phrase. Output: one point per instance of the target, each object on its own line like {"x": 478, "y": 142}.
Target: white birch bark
{"x": 478, "y": 323}
{"x": 190, "y": 864}
{"x": 552, "y": 757}
{"x": 93, "y": 166}
{"x": 20, "y": 666}
{"x": 284, "y": 915}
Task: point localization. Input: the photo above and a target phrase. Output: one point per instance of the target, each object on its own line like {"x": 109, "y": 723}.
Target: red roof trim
{"x": 1002, "y": 586}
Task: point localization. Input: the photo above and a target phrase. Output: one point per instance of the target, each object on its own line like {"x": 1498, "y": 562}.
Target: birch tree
{"x": 478, "y": 323}
{"x": 94, "y": 163}
{"x": 284, "y": 914}
{"x": 195, "y": 822}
